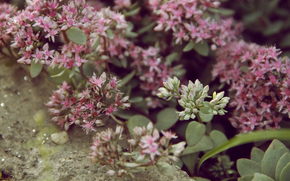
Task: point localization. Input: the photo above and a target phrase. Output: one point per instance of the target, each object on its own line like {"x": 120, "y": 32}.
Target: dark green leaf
{"x": 76, "y": 35}
{"x": 251, "y": 18}
{"x": 171, "y": 57}
{"x": 194, "y": 132}
{"x": 146, "y": 28}
{"x": 202, "y": 48}
{"x": 135, "y": 99}
{"x": 116, "y": 62}
{"x": 261, "y": 177}
{"x": 166, "y": 118}
{"x": 132, "y": 13}
{"x": 137, "y": 120}
{"x": 283, "y": 161}
{"x": 189, "y": 46}
{"x": 246, "y": 178}
{"x": 226, "y": 12}
{"x": 273, "y": 28}
{"x": 282, "y": 134}
{"x": 218, "y": 137}
{"x": 248, "y": 167}
{"x": 285, "y": 173}
{"x": 257, "y": 155}
{"x": 272, "y": 156}
{"x": 124, "y": 62}
{"x": 124, "y": 114}
{"x": 190, "y": 161}
{"x": 35, "y": 68}
{"x": 203, "y": 145}
{"x": 127, "y": 78}
{"x": 286, "y": 41}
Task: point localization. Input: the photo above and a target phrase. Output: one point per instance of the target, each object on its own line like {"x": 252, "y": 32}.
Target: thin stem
{"x": 117, "y": 120}
{"x": 106, "y": 53}
{"x": 7, "y": 48}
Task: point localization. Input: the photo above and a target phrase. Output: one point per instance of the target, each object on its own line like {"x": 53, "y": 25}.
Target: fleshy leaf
{"x": 246, "y": 178}
{"x": 248, "y": 167}
{"x": 189, "y": 46}
{"x": 285, "y": 173}
{"x": 200, "y": 179}
{"x": 135, "y": 99}
{"x": 165, "y": 168}
{"x": 35, "y": 68}
{"x": 127, "y": 78}
{"x": 76, "y": 35}
{"x": 110, "y": 34}
{"x": 257, "y": 155}
{"x": 282, "y": 134}
{"x": 137, "y": 120}
{"x": 261, "y": 177}
{"x": 202, "y": 48}
{"x": 171, "y": 57}
{"x": 190, "y": 161}
{"x": 205, "y": 114}
{"x": 272, "y": 156}
{"x": 194, "y": 132}
{"x": 203, "y": 145}
{"x": 132, "y": 13}
{"x": 124, "y": 114}
{"x": 283, "y": 161}
{"x": 218, "y": 137}
{"x": 166, "y": 118}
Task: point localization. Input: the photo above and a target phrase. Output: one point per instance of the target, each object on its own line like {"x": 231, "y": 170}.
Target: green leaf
{"x": 226, "y": 12}
{"x": 252, "y": 17}
{"x": 179, "y": 163}
{"x": 286, "y": 41}
{"x": 132, "y": 13}
{"x": 127, "y": 78}
{"x": 248, "y": 167}
{"x": 135, "y": 99}
{"x": 171, "y": 57}
{"x": 272, "y": 156}
{"x": 246, "y": 178}
{"x": 137, "y": 120}
{"x": 146, "y": 28}
{"x": 72, "y": 72}
{"x": 189, "y": 46}
{"x": 285, "y": 173}
{"x": 124, "y": 114}
{"x": 194, "y": 132}
{"x": 190, "y": 161}
{"x": 282, "y": 134}
{"x": 110, "y": 34}
{"x": 116, "y": 62}
{"x": 202, "y": 48}
{"x": 205, "y": 114}
{"x": 96, "y": 43}
{"x": 166, "y": 118}
{"x": 261, "y": 177}
{"x": 218, "y": 137}
{"x": 35, "y": 68}
{"x": 59, "y": 74}
{"x": 165, "y": 168}
{"x": 124, "y": 62}
{"x": 271, "y": 6}
{"x": 76, "y": 35}
{"x": 200, "y": 179}
{"x": 257, "y": 155}
{"x": 273, "y": 28}
{"x": 283, "y": 161}
{"x": 203, "y": 145}
{"x": 59, "y": 79}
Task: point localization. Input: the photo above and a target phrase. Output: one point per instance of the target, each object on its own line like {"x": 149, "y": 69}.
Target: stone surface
{"x": 27, "y": 152}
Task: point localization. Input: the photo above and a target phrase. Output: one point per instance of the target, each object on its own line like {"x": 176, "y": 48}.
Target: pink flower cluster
{"x": 6, "y": 12}
{"x": 152, "y": 146}
{"x": 100, "y": 97}
{"x": 260, "y": 80}
{"x": 146, "y": 147}
{"x": 186, "y": 19}
{"x": 43, "y": 21}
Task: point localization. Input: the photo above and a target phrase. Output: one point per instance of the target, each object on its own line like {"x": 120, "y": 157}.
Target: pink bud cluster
{"x": 43, "y": 21}
{"x": 186, "y": 19}
{"x": 100, "y": 97}
{"x": 146, "y": 148}
{"x": 260, "y": 80}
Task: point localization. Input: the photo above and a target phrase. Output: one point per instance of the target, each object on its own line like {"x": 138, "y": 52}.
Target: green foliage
{"x": 202, "y": 48}
{"x": 76, "y": 35}
{"x": 275, "y": 164}
{"x": 166, "y": 118}
{"x": 165, "y": 168}
{"x": 194, "y": 132}
{"x": 35, "y": 69}
{"x": 282, "y": 134}
{"x": 137, "y": 120}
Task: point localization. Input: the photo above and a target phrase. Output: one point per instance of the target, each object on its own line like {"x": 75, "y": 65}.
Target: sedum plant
{"x": 271, "y": 165}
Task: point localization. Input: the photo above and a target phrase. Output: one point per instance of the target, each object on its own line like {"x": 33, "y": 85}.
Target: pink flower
{"x": 88, "y": 126}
